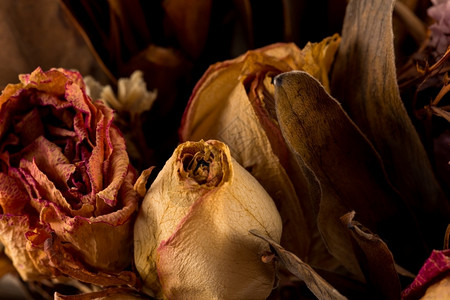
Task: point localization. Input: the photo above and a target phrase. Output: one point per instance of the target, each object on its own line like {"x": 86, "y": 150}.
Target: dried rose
{"x": 66, "y": 186}
{"x": 192, "y": 237}
{"x": 234, "y": 102}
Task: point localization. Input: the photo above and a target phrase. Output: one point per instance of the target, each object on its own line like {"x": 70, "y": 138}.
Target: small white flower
{"x": 132, "y": 94}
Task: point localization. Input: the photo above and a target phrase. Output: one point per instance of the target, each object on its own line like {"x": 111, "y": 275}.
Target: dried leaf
{"x": 345, "y": 171}
{"x": 37, "y": 34}
{"x": 190, "y": 20}
{"x": 440, "y": 112}
{"x": 364, "y": 79}
{"x": 320, "y": 288}
{"x": 376, "y": 260}
{"x": 107, "y": 294}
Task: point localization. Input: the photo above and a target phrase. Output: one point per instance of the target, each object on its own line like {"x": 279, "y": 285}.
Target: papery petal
{"x": 43, "y": 187}
{"x": 30, "y": 261}
{"x": 29, "y": 128}
{"x": 60, "y": 257}
{"x": 435, "y": 267}
{"x": 116, "y": 168}
{"x": 102, "y": 149}
{"x": 12, "y": 197}
{"x": 50, "y": 160}
{"x": 104, "y": 241}
{"x": 51, "y": 82}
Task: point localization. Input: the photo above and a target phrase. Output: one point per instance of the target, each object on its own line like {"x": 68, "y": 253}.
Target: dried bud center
{"x": 202, "y": 164}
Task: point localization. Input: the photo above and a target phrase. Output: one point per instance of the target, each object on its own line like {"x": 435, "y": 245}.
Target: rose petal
{"x": 60, "y": 257}
{"x": 50, "y": 160}
{"x": 12, "y": 196}
{"x": 30, "y": 261}
{"x": 116, "y": 168}
{"x": 436, "y": 266}
{"x": 29, "y": 127}
{"x": 104, "y": 241}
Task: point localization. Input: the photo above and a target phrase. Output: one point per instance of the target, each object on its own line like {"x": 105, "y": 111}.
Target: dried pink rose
{"x": 67, "y": 201}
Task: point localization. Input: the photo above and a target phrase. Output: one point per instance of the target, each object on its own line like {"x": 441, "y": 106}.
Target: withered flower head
{"x": 192, "y": 236}
{"x": 66, "y": 185}
{"x": 234, "y": 102}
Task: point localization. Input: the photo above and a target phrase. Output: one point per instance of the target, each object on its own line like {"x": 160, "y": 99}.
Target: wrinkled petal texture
{"x": 192, "y": 237}
{"x": 436, "y": 267}
{"x": 65, "y": 175}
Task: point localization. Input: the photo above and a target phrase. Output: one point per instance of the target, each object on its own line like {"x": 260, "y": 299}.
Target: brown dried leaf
{"x": 440, "y": 112}
{"x": 36, "y": 34}
{"x": 364, "y": 79}
{"x": 345, "y": 171}
{"x": 190, "y": 21}
{"x": 107, "y": 294}
{"x": 318, "y": 286}
{"x": 375, "y": 258}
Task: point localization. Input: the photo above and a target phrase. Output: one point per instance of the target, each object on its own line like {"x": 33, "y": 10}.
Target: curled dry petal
{"x": 65, "y": 175}
{"x": 192, "y": 233}
{"x": 436, "y": 268}
{"x": 234, "y": 102}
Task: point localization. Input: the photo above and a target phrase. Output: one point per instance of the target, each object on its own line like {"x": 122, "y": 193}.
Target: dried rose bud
{"x": 234, "y": 102}
{"x": 192, "y": 237}
{"x": 66, "y": 186}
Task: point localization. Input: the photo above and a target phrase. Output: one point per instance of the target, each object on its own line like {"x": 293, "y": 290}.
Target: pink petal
{"x": 437, "y": 265}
